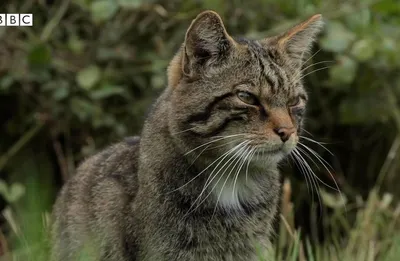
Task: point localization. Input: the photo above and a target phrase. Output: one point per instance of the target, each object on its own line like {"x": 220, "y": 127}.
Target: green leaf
{"x": 11, "y": 193}
{"x": 6, "y": 82}
{"x": 107, "y": 91}
{"x": 76, "y": 45}
{"x": 338, "y": 38}
{"x": 388, "y": 45}
{"x": 39, "y": 56}
{"x": 82, "y": 108}
{"x": 88, "y": 77}
{"x": 363, "y": 50}
{"x": 61, "y": 93}
{"x": 103, "y": 10}
{"x": 359, "y": 20}
{"x": 344, "y": 71}
{"x": 130, "y": 3}
{"x": 16, "y": 192}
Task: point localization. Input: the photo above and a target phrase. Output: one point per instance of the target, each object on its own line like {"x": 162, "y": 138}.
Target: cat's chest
{"x": 233, "y": 193}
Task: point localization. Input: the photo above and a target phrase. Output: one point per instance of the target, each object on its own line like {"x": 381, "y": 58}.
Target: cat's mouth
{"x": 272, "y": 150}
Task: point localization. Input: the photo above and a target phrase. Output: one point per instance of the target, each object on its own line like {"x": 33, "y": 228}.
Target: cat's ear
{"x": 297, "y": 41}
{"x": 206, "y": 44}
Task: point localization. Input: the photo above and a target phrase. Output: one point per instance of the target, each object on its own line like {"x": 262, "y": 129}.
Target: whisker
{"x": 316, "y": 70}
{"x": 312, "y": 56}
{"x": 308, "y": 156}
{"x": 322, "y": 160}
{"x": 223, "y": 155}
{"x": 238, "y": 172}
{"x": 306, "y": 131}
{"x": 311, "y": 175}
{"x": 333, "y": 178}
{"x": 208, "y": 146}
{"x": 205, "y": 144}
{"x": 208, "y": 183}
{"x": 299, "y": 74}
{"x": 318, "y": 143}
{"x": 327, "y": 185}
{"x": 223, "y": 185}
{"x": 295, "y": 160}
{"x": 313, "y": 64}
{"x": 308, "y": 176}
{"x": 248, "y": 162}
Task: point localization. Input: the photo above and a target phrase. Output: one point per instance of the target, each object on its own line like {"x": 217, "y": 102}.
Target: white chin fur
{"x": 231, "y": 187}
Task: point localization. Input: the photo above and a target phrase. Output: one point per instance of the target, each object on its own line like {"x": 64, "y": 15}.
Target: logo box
{"x": 16, "y": 19}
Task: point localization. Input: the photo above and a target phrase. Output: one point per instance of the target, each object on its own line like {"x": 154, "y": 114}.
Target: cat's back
{"x": 92, "y": 203}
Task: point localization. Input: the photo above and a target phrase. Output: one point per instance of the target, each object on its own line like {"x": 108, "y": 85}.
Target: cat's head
{"x": 239, "y": 95}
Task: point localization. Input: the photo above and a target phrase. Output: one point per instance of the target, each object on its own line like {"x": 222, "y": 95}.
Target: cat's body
{"x": 169, "y": 195}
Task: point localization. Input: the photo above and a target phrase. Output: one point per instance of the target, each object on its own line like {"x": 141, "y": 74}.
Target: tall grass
{"x": 374, "y": 235}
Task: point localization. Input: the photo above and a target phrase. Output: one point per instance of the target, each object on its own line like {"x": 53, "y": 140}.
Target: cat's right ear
{"x": 206, "y": 44}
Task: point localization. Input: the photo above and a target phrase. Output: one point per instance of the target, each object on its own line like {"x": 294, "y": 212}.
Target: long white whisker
{"x": 316, "y": 70}
{"x": 308, "y": 175}
{"x": 238, "y": 172}
{"x": 312, "y": 56}
{"x": 308, "y": 156}
{"x": 312, "y": 175}
{"x": 298, "y": 75}
{"x": 248, "y": 162}
{"x": 235, "y": 155}
{"x": 223, "y": 185}
{"x": 306, "y": 131}
{"x": 207, "y": 183}
{"x": 300, "y": 167}
{"x": 336, "y": 189}
{"x": 205, "y": 144}
{"x": 212, "y": 176}
{"x": 208, "y": 146}
{"x": 322, "y": 160}
{"x": 222, "y": 156}
{"x": 313, "y": 64}
{"x": 318, "y": 143}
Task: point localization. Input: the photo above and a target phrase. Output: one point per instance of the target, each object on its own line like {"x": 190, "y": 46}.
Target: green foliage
{"x": 85, "y": 74}
{"x": 11, "y": 193}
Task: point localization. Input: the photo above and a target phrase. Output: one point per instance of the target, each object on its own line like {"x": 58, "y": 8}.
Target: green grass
{"x": 373, "y": 235}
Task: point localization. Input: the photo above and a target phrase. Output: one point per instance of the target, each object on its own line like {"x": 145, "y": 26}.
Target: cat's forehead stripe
{"x": 256, "y": 51}
{"x": 270, "y": 72}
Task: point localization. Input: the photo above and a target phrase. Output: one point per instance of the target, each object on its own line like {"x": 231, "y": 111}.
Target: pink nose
{"x": 284, "y": 132}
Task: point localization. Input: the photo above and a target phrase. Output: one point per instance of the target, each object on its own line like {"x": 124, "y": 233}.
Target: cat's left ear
{"x": 297, "y": 42}
{"x": 206, "y": 44}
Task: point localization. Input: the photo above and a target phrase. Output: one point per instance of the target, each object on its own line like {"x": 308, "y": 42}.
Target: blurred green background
{"x": 84, "y": 75}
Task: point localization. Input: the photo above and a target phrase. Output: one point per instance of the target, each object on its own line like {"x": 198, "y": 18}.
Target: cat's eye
{"x": 247, "y": 98}
{"x": 295, "y": 102}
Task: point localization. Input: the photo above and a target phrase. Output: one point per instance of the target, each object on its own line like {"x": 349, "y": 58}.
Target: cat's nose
{"x": 284, "y": 132}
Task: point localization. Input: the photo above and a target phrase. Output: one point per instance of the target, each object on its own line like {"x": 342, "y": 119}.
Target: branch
{"x": 20, "y": 144}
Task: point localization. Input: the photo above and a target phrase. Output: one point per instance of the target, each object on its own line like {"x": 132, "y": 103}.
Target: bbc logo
{"x": 16, "y": 19}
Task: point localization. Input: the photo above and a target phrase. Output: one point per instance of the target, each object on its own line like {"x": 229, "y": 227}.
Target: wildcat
{"x": 202, "y": 181}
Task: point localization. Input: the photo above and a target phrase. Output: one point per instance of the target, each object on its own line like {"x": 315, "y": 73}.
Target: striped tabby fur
{"x": 201, "y": 183}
